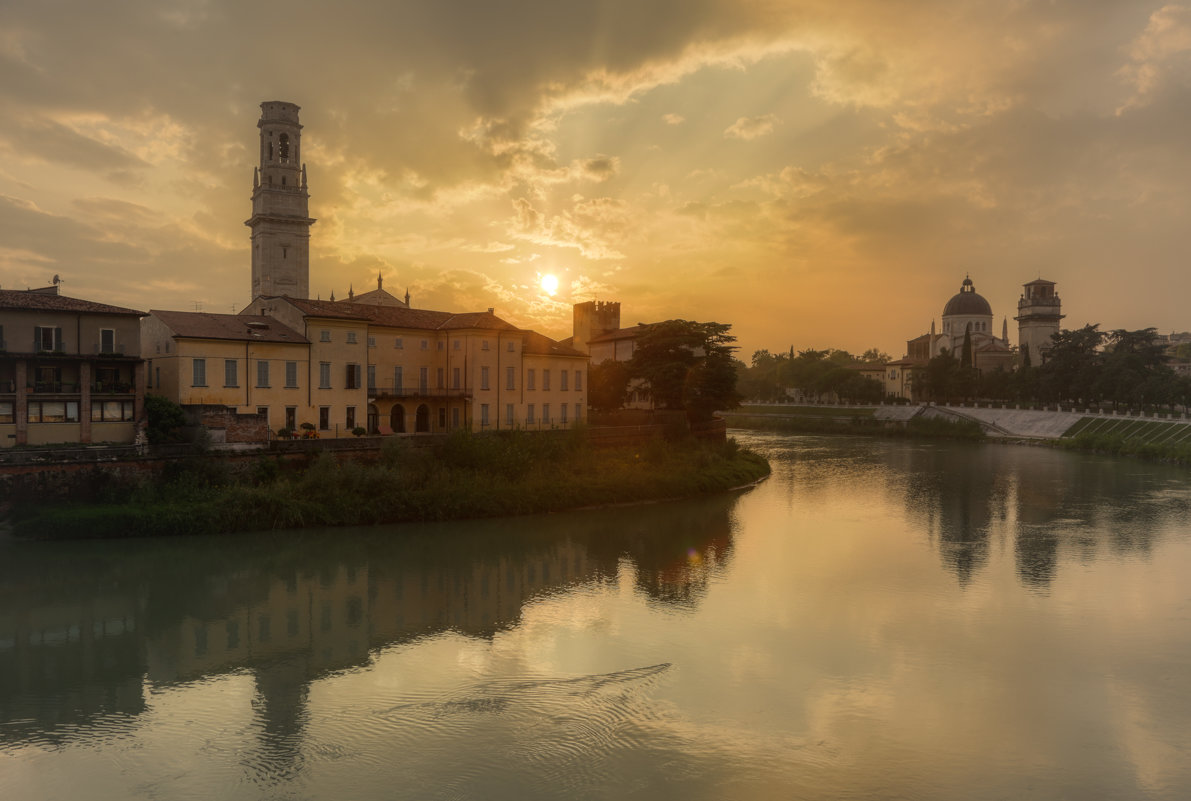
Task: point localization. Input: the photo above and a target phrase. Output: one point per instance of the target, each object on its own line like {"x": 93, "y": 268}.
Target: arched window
{"x": 283, "y": 180}
{"x": 283, "y": 148}
{"x": 270, "y": 151}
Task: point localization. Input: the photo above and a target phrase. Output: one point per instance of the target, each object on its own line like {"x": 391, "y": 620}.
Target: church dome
{"x": 967, "y": 302}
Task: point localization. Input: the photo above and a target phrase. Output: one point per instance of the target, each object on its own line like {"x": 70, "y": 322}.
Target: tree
{"x": 166, "y": 419}
{"x": 688, "y": 365}
{"x": 607, "y": 385}
{"x": 875, "y": 356}
{"x": 1072, "y": 365}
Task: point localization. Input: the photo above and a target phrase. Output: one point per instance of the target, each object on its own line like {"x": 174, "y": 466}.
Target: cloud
{"x": 1158, "y": 53}
{"x": 673, "y": 119}
{"x": 751, "y": 127}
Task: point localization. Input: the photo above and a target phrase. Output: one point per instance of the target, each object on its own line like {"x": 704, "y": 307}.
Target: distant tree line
{"x": 818, "y": 374}
{"x": 1084, "y": 367}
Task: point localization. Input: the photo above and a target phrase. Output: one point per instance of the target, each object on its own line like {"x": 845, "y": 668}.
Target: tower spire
{"x": 280, "y": 220}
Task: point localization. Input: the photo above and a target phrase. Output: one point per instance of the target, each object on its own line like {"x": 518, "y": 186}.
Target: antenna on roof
{"x": 198, "y": 305}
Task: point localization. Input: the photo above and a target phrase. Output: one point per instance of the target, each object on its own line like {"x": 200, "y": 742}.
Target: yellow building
{"x": 419, "y": 370}
{"x": 70, "y": 370}
{"x": 252, "y": 365}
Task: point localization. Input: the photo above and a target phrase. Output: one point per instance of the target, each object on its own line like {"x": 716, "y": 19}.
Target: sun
{"x": 550, "y": 284}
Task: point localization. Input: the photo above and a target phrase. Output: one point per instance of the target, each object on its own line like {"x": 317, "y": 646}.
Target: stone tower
{"x": 591, "y": 319}
{"x": 1038, "y": 315}
{"x": 280, "y": 219}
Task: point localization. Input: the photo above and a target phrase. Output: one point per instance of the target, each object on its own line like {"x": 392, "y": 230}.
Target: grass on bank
{"x": 462, "y": 476}
{"x": 926, "y": 428}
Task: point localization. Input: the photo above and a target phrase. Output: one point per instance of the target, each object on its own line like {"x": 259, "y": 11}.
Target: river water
{"x": 879, "y": 620}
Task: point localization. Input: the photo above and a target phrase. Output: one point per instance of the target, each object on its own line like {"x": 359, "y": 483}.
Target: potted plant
{"x": 359, "y": 431}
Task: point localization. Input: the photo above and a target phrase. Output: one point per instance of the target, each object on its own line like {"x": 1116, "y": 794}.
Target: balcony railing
{"x": 111, "y": 387}
{"x": 59, "y": 387}
{"x": 389, "y": 390}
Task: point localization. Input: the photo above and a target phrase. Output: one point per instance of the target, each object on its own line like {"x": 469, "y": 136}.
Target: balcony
{"x": 112, "y": 388}
{"x": 56, "y": 387}
{"x": 389, "y": 390}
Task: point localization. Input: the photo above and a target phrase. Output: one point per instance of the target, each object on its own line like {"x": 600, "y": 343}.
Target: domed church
{"x": 966, "y": 316}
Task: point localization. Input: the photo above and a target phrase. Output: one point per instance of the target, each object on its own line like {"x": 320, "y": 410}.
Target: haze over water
{"x": 880, "y": 619}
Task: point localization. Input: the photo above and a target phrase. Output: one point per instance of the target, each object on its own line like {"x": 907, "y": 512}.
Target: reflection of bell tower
{"x": 1038, "y": 315}
{"x": 280, "y": 219}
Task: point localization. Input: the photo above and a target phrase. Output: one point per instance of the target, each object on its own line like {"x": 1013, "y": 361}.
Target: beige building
{"x": 419, "y": 370}
{"x": 70, "y": 370}
{"x": 252, "y": 365}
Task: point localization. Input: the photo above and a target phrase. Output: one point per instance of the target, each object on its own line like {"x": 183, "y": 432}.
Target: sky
{"x": 815, "y": 173}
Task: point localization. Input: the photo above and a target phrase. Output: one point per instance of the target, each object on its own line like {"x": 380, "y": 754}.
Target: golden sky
{"x": 817, "y": 173}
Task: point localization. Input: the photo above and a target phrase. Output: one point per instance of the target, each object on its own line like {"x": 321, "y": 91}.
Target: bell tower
{"x": 280, "y": 219}
{"x": 1039, "y": 311}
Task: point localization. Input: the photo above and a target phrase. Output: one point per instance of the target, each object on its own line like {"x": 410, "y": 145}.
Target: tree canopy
{"x": 687, "y": 365}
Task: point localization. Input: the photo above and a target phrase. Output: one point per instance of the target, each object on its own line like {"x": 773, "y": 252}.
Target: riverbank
{"x": 463, "y": 476}
{"x": 832, "y": 420}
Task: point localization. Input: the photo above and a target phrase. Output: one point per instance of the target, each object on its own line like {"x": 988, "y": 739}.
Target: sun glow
{"x": 550, "y": 284}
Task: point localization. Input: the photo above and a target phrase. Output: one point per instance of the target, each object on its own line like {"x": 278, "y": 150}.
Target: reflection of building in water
{"x": 64, "y": 663}
{"x": 315, "y": 609}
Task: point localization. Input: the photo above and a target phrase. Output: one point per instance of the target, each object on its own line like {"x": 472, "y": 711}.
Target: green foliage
{"x": 465, "y": 475}
{"x": 687, "y": 365}
{"x": 359, "y": 431}
{"x": 607, "y": 385}
{"x": 166, "y": 419}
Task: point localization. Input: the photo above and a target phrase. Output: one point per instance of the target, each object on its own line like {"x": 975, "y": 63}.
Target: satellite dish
{"x": 57, "y": 280}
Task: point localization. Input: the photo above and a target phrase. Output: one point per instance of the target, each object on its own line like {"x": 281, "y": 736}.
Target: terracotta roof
{"x": 323, "y": 308}
{"x": 540, "y": 344}
{"x": 22, "y": 300}
{"x": 377, "y": 297}
{"x": 620, "y": 333}
{"x": 402, "y": 317}
{"x": 244, "y": 327}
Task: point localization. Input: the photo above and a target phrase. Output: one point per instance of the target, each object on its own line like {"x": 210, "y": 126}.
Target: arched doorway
{"x": 373, "y": 419}
{"x": 397, "y": 419}
{"x": 422, "y": 423}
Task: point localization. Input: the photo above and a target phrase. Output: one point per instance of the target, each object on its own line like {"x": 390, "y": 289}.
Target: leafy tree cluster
{"x": 1084, "y": 367}
{"x": 686, "y": 365}
{"x": 818, "y": 373}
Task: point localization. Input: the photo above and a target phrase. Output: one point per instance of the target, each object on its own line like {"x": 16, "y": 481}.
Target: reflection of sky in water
{"x": 880, "y": 619}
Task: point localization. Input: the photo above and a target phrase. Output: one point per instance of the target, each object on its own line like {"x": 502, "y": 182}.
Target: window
{"x": 509, "y": 414}
{"x": 47, "y": 339}
{"x": 372, "y": 376}
{"x": 545, "y": 412}
{"x": 157, "y": 377}
{"x": 545, "y": 380}
{"x": 200, "y": 373}
{"x": 262, "y": 373}
{"x": 291, "y": 417}
{"x": 324, "y": 375}
{"x": 353, "y": 377}
{"x": 484, "y": 415}
{"x": 397, "y": 343}
{"x": 61, "y": 411}
{"x": 324, "y": 417}
{"x": 562, "y": 380}
{"x": 291, "y": 374}
{"x": 441, "y": 344}
{"x": 283, "y": 148}
{"x": 107, "y": 340}
{"x": 510, "y": 377}
{"x": 483, "y": 378}
{"x": 397, "y": 379}
{"x": 263, "y": 411}
{"x": 425, "y": 344}
{"x": 531, "y": 379}
{"x": 442, "y": 418}
{"x": 455, "y": 377}
{"x": 578, "y": 412}
{"x": 423, "y": 379}
{"x": 457, "y": 344}
{"x": 351, "y": 338}
{"x": 324, "y": 336}
{"x": 455, "y": 417}
{"x": 562, "y": 412}
{"x": 511, "y": 347}
{"x": 372, "y": 342}
{"x": 440, "y": 378}
{"x": 351, "y": 417}
{"x": 483, "y": 344}
{"x": 529, "y": 414}
{"x": 578, "y": 380}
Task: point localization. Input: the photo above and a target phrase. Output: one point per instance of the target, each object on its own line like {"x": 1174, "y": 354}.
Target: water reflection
{"x": 1049, "y": 505}
{"x": 86, "y": 629}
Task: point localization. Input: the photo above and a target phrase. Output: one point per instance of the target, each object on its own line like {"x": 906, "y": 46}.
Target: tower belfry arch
{"x": 280, "y": 220}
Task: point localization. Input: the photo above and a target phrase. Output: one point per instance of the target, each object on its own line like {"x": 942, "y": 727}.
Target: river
{"x": 881, "y": 619}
